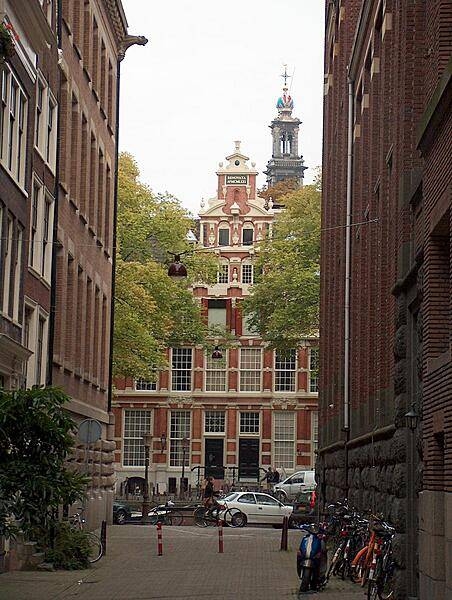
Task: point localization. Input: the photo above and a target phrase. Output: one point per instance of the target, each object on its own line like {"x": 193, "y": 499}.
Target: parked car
{"x": 257, "y": 507}
{"x": 121, "y": 512}
{"x": 300, "y": 481}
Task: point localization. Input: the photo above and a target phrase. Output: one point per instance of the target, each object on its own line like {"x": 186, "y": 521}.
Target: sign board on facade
{"x": 236, "y": 179}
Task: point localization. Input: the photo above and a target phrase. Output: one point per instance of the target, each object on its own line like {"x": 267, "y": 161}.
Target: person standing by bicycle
{"x": 268, "y": 477}
{"x": 209, "y": 492}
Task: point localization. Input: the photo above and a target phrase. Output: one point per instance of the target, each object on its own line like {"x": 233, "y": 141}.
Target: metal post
{"x": 146, "y": 504}
{"x": 182, "y": 479}
{"x": 147, "y": 443}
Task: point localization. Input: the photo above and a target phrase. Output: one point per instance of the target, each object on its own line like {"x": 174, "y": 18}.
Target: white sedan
{"x": 258, "y": 508}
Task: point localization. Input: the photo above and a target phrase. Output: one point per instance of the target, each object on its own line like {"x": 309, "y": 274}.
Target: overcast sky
{"x": 209, "y": 75}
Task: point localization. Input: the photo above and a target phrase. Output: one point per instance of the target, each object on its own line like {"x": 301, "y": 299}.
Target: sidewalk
{"x": 252, "y": 568}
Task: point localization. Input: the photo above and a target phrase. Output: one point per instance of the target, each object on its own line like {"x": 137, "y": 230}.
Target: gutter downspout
{"x": 127, "y": 42}
{"x": 56, "y": 193}
{"x": 348, "y": 278}
{"x": 113, "y": 257}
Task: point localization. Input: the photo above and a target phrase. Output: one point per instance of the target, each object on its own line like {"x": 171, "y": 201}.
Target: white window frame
{"x": 248, "y": 227}
{"x": 180, "y": 428}
{"x": 7, "y": 262}
{"x": 133, "y": 444}
{"x": 143, "y": 385}
{"x": 284, "y": 436}
{"x": 175, "y": 370}
{"x": 224, "y": 227}
{"x": 37, "y": 362}
{"x": 41, "y": 230}
{"x": 223, "y": 273}
{"x": 285, "y": 370}
{"x": 14, "y": 124}
{"x": 247, "y": 273}
{"x": 214, "y": 422}
{"x": 216, "y": 370}
{"x": 246, "y": 429}
{"x": 46, "y": 123}
{"x": 217, "y": 316}
{"x": 314, "y": 377}
{"x": 245, "y": 373}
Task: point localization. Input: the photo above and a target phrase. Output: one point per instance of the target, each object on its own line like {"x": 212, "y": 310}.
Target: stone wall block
{"x": 397, "y": 514}
{"x": 400, "y": 373}
{"x": 399, "y": 481}
{"x": 399, "y": 550}
{"x": 389, "y": 473}
{"x": 400, "y": 342}
{"x": 398, "y": 446}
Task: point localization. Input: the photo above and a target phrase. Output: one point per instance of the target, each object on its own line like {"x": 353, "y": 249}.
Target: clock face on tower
{"x": 237, "y": 162}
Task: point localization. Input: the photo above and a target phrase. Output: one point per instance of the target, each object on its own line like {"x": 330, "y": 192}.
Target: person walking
{"x": 268, "y": 478}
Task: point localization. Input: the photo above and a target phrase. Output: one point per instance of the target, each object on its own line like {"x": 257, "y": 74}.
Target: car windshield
{"x": 230, "y": 497}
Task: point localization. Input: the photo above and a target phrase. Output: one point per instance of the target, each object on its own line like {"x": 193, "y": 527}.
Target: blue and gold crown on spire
{"x": 285, "y": 101}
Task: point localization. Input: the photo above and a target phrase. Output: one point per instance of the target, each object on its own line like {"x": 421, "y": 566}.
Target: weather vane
{"x": 285, "y": 75}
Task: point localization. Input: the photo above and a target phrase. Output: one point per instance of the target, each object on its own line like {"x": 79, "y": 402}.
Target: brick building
{"x": 93, "y": 41}
{"x": 29, "y": 88}
{"x": 386, "y": 338}
{"x": 240, "y": 413}
{"x": 58, "y": 154}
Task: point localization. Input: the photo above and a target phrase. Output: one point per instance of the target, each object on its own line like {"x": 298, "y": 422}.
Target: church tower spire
{"x": 286, "y": 162}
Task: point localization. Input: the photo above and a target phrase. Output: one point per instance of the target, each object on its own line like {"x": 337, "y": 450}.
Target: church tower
{"x": 285, "y": 163}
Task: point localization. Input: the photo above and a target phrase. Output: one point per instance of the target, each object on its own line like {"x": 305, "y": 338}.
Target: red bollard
{"x": 159, "y": 539}
{"x": 220, "y": 537}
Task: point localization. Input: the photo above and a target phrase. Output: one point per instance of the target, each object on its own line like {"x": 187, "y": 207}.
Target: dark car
{"x": 121, "y": 512}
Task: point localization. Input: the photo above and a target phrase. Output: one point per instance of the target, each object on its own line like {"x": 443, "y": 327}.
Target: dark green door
{"x": 213, "y": 458}
{"x": 249, "y": 458}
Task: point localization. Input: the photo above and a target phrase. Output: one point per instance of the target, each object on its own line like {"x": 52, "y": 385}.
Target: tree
{"x": 36, "y": 437}
{"x": 284, "y": 302}
{"x": 281, "y": 188}
{"x": 152, "y": 312}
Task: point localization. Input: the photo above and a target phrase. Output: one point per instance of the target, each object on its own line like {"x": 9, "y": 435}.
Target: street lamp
{"x": 411, "y": 418}
{"x": 147, "y": 441}
{"x": 177, "y": 270}
{"x": 185, "y": 446}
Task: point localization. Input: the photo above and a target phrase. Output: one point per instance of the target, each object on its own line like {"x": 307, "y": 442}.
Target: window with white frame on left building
{"x": 181, "y": 369}
{"x": 137, "y": 422}
{"x": 13, "y": 125}
{"x": 179, "y": 429}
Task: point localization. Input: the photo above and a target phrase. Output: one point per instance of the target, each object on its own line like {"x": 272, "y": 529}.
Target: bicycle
{"x": 166, "y": 515}
{"x": 211, "y": 516}
{"x": 381, "y": 577}
{"x": 96, "y": 548}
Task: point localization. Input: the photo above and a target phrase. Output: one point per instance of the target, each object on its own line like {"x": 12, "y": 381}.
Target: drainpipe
{"x": 113, "y": 255}
{"x": 348, "y": 277}
{"x": 127, "y": 42}
{"x": 55, "y": 245}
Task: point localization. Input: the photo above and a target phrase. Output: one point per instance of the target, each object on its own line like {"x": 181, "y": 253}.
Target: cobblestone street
{"x": 251, "y": 567}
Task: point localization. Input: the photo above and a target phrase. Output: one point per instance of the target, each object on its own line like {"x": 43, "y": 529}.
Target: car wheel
{"x": 121, "y": 516}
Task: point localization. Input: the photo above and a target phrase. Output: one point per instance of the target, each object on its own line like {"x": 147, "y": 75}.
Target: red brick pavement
{"x": 252, "y": 568}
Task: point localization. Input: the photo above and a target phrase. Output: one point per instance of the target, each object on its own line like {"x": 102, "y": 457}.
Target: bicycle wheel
{"x": 95, "y": 547}
{"x": 372, "y": 590}
{"x": 385, "y": 584}
{"x": 199, "y": 517}
{"x": 175, "y": 518}
{"x": 335, "y": 560}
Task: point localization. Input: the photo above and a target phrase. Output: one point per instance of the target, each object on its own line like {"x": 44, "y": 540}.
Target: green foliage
{"x": 35, "y": 440}
{"x": 71, "y": 548}
{"x": 284, "y": 302}
{"x": 153, "y": 312}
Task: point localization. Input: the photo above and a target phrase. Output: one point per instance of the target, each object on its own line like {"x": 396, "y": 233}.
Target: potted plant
{"x": 8, "y": 37}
